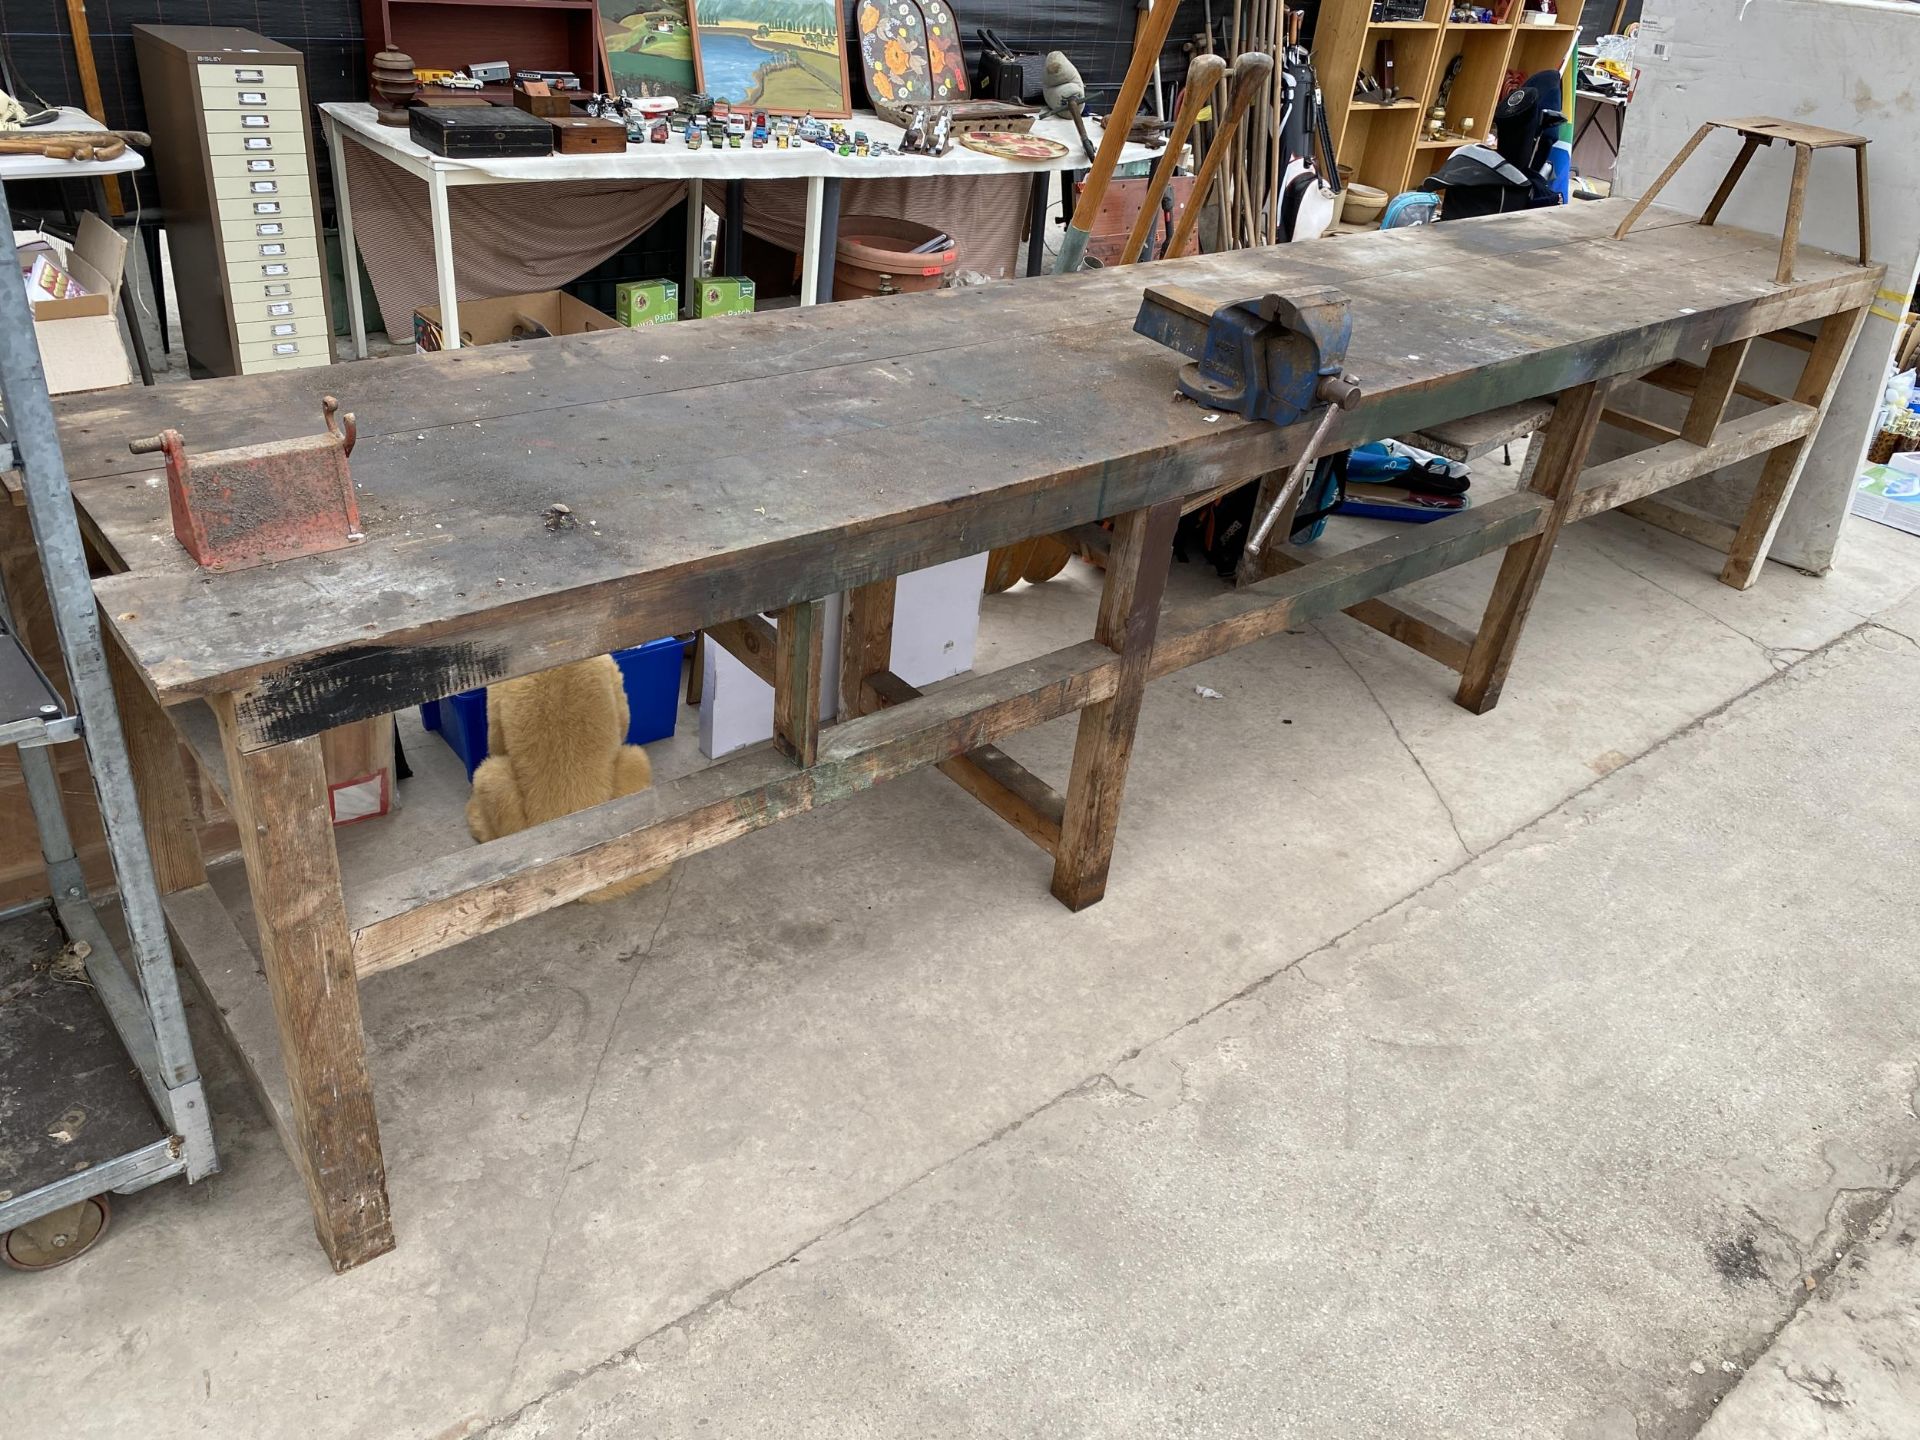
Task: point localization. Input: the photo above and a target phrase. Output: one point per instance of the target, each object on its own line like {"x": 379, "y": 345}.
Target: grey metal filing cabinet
{"x": 233, "y": 150}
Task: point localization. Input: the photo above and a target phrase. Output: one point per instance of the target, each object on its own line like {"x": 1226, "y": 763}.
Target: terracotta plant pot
{"x": 872, "y": 246}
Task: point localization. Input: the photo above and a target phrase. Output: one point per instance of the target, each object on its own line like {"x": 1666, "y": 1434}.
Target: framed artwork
{"x": 910, "y": 52}
{"x": 784, "y": 56}
{"x": 649, "y": 47}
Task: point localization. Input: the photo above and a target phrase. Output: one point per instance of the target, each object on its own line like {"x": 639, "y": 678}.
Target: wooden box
{"x": 588, "y": 135}
{"x": 494, "y": 131}
{"x": 542, "y": 102}
{"x": 1108, "y": 235}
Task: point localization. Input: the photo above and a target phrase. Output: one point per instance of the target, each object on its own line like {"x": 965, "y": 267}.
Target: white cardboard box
{"x": 936, "y": 621}
{"x": 80, "y": 343}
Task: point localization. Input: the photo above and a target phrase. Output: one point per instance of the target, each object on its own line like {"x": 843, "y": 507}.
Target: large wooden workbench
{"x": 724, "y": 471}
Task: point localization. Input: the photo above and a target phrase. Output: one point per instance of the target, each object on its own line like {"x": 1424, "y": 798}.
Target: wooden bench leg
{"x": 279, "y": 801}
{"x": 1673, "y": 169}
{"x": 1782, "y": 469}
{"x": 796, "y": 681}
{"x": 866, "y": 643}
{"x": 1563, "y": 452}
{"x": 1796, "y": 207}
{"x": 159, "y": 778}
{"x": 1715, "y": 388}
{"x": 1129, "y": 618}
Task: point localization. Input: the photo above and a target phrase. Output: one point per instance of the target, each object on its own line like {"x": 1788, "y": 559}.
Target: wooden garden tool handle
{"x": 1203, "y": 78}
{"x": 96, "y": 145}
{"x": 83, "y": 137}
{"x": 1250, "y": 75}
{"x": 1113, "y": 139}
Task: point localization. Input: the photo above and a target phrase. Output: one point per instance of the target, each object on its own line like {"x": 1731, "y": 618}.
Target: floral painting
{"x": 910, "y": 51}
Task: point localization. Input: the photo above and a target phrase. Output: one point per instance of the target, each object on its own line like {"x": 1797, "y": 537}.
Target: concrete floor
{"x": 1420, "y": 1074}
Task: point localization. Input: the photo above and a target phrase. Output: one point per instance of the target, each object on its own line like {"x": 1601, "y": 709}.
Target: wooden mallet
{"x": 1203, "y": 78}
{"x": 1250, "y": 75}
{"x": 1113, "y": 138}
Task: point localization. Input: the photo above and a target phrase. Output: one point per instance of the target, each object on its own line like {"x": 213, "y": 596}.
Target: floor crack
{"x": 1767, "y": 653}
{"x": 723, "y": 1297}
{"x": 634, "y": 959}
{"x": 1394, "y": 726}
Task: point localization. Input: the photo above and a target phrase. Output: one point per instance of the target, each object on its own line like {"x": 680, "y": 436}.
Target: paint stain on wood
{"x": 351, "y": 684}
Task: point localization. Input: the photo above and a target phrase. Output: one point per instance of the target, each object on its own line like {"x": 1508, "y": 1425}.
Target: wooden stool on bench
{"x": 1758, "y": 130}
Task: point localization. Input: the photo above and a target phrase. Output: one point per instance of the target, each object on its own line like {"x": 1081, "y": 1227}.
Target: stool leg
{"x": 1734, "y": 172}
{"x": 697, "y": 668}
{"x": 1673, "y": 169}
{"x": 1796, "y": 205}
{"x": 1866, "y": 224}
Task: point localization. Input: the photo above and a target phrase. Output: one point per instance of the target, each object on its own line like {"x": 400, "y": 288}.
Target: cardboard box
{"x": 511, "y": 317}
{"x": 723, "y": 295}
{"x": 646, "y": 302}
{"x": 1889, "y": 494}
{"x": 79, "y": 335}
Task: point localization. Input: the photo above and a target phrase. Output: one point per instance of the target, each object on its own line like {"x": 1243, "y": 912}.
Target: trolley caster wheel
{"x": 54, "y": 1239}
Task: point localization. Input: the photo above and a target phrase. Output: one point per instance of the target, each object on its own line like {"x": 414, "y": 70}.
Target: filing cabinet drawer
{"x": 215, "y": 98}
{"x": 247, "y": 296}
{"x": 307, "y": 329}
{"x": 246, "y": 269}
{"x": 233, "y": 189}
{"x": 280, "y": 82}
{"x": 265, "y": 208}
{"x": 290, "y": 251}
{"x": 266, "y": 366}
{"x": 252, "y": 322}
{"x": 280, "y": 228}
{"x": 283, "y": 162}
{"x": 285, "y": 354}
{"x": 274, "y": 120}
{"x": 285, "y": 139}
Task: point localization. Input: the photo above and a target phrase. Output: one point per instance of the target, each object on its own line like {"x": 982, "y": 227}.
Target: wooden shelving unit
{"x": 453, "y": 34}
{"x": 1387, "y": 145}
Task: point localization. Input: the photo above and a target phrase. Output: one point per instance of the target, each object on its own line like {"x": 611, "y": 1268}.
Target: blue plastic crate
{"x": 651, "y": 673}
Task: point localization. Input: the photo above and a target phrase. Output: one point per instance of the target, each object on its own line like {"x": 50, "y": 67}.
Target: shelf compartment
{"x": 1540, "y": 47}
{"x": 1378, "y": 147}
{"x": 1482, "y": 53}
{"x": 452, "y": 34}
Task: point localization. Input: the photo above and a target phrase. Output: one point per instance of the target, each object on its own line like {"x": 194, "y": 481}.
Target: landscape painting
{"x": 649, "y": 47}
{"x": 783, "y": 56}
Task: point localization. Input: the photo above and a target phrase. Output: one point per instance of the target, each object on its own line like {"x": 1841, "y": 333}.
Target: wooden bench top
{"x": 729, "y": 467}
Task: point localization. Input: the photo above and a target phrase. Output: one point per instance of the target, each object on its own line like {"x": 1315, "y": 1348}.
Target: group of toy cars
{"x": 702, "y": 120}
{"x": 494, "y": 72}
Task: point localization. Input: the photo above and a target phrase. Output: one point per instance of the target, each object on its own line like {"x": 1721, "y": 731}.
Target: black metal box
{"x": 460, "y": 130}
